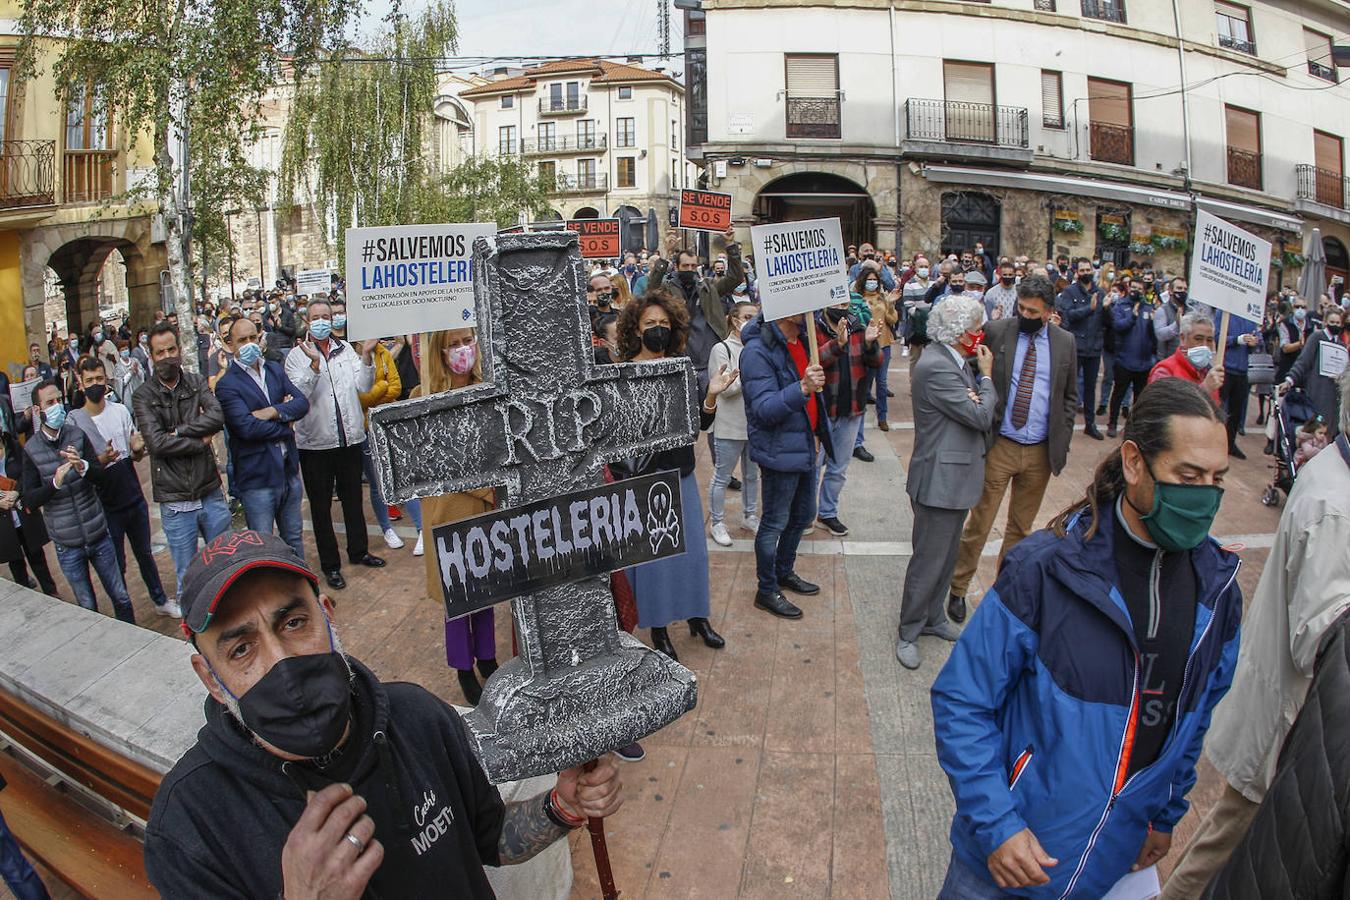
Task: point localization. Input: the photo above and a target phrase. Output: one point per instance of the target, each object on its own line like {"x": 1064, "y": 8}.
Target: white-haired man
{"x": 1194, "y": 358}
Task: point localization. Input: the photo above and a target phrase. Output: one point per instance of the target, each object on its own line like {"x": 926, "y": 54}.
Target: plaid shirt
{"x": 857, "y": 358}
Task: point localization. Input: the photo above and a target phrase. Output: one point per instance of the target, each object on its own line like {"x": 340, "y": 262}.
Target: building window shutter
{"x": 1244, "y": 130}
{"x": 1327, "y": 152}
{"x": 1319, "y": 47}
{"x": 812, "y": 76}
{"x": 1052, "y": 100}
{"x": 968, "y": 82}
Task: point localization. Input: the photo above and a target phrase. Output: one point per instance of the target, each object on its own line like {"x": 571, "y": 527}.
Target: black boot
{"x": 473, "y": 691}
{"x": 486, "y": 667}
{"x": 661, "y": 641}
{"x": 703, "y": 628}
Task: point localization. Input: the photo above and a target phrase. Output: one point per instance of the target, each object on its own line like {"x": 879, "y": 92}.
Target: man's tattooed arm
{"x": 527, "y": 830}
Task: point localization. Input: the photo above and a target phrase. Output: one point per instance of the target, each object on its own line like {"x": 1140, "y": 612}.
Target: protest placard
{"x": 21, "y": 394}
{"x": 599, "y": 238}
{"x": 800, "y": 266}
{"x": 705, "y": 210}
{"x": 505, "y": 553}
{"x": 403, "y": 279}
{"x": 1229, "y": 267}
{"x": 311, "y": 282}
{"x": 1331, "y": 359}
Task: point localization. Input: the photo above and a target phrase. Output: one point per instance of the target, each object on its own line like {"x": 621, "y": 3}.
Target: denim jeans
{"x": 964, "y": 883}
{"x": 789, "y": 505}
{"x": 843, "y": 432}
{"x": 876, "y": 382}
{"x": 264, "y": 506}
{"x": 414, "y": 509}
{"x": 133, "y": 523}
{"x": 1088, "y": 367}
{"x": 727, "y": 452}
{"x": 376, "y": 498}
{"x": 17, "y": 872}
{"x": 75, "y": 562}
{"x": 182, "y": 528}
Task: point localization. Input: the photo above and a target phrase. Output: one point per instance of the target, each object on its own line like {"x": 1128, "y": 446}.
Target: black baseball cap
{"x": 221, "y": 562}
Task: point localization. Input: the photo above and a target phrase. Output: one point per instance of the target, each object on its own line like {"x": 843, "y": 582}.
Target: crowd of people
{"x": 1004, "y": 357}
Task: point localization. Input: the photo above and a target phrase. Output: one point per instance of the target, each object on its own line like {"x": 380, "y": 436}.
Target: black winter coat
{"x": 1298, "y": 845}
{"x": 173, "y": 423}
{"x": 34, "y": 531}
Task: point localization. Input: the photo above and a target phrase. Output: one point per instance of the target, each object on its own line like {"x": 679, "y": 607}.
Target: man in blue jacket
{"x": 260, "y": 403}
{"x": 1082, "y": 309}
{"x": 786, "y": 424}
{"x": 1072, "y": 711}
{"x": 1242, "y": 340}
{"x": 1132, "y": 321}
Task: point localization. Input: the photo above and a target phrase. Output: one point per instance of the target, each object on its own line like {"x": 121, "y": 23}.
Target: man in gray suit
{"x": 953, "y": 410}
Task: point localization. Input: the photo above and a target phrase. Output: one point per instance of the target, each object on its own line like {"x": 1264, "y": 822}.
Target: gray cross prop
{"x": 545, "y": 422}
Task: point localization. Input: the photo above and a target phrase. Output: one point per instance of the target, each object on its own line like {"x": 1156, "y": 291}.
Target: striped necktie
{"x": 1026, "y": 383}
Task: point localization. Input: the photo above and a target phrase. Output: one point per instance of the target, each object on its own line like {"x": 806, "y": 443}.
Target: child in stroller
{"x": 1292, "y": 413}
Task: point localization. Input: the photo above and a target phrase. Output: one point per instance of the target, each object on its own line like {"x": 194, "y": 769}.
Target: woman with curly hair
{"x": 656, "y": 326}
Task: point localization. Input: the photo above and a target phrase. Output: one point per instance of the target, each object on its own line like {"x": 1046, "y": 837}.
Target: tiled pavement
{"x": 807, "y": 768}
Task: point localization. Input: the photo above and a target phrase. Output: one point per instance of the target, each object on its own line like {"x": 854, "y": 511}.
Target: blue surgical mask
{"x": 249, "y": 354}
{"x": 922, "y": 272}
{"x": 1200, "y": 357}
{"x": 1300, "y": 313}
{"x": 320, "y": 329}
{"x": 54, "y": 416}
{"x": 870, "y": 284}
{"x": 340, "y": 321}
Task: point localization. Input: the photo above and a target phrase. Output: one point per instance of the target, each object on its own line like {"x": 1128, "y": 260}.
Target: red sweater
{"x": 1179, "y": 366}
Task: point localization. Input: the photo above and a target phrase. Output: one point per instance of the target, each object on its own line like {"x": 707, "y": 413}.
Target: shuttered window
{"x": 1052, "y": 99}
{"x": 812, "y": 76}
{"x": 1327, "y": 152}
{"x": 968, "y": 82}
{"x": 1319, "y": 47}
{"x": 1244, "y": 129}
{"x": 1109, "y": 102}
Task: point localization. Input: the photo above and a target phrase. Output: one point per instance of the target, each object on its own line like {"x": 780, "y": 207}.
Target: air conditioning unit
{"x": 763, "y": 163}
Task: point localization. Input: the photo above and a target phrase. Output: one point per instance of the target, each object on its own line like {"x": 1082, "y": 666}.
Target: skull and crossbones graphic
{"x": 662, "y": 522}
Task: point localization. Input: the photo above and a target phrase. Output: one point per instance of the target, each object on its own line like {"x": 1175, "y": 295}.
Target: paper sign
{"x": 403, "y": 279}
{"x": 705, "y": 210}
{"x": 599, "y": 238}
{"x": 1331, "y": 359}
{"x": 1229, "y": 267}
{"x": 311, "y": 282}
{"x": 800, "y": 266}
{"x": 21, "y": 394}
{"x": 506, "y": 553}
{"x": 1141, "y": 885}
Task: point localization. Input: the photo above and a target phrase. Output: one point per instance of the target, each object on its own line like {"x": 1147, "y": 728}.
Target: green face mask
{"x": 1182, "y": 514}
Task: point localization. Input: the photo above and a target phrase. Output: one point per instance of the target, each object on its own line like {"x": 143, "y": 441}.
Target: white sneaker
{"x": 392, "y": 539}
{"x": 751, "y": 522}
{"x": 170, "y": 610}
{"x": 904, "y": 351}
{"x": 719, "y": 534}
{"x": 417, "y": 547}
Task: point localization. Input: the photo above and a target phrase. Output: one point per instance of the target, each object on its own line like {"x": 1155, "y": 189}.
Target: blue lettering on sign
{"x": 425, "y": 273}
{"x": 1233, "y": 264}
{"x": 802, "y": 261}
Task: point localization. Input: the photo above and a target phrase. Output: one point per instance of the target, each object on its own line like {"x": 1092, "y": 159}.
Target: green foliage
{"x": 1069, "y": 226}
{"x": 1113, "y": 232}
{"x": 481, "y": 189}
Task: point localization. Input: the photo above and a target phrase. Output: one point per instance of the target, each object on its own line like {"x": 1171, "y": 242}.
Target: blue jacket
{"x": 1135, "y": 341}
{"x": 1034, "y": 712}
{"x": 258, "y": 460}
{"x": 1087, "y": 325}
{"x": 1235, "y": 356}
{"x": 777, "y": 424}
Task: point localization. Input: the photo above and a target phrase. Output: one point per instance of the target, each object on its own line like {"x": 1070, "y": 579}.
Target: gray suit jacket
{"x": 1001, "y": 337}
{"x": 947, "y": 468}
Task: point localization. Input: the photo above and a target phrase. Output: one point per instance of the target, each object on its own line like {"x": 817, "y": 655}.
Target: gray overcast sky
{"x": 549, "y": 27}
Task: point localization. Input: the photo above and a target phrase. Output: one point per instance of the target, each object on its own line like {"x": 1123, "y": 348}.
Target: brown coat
{"x": 445, "y": 508}
{"x": 885, "y": 315}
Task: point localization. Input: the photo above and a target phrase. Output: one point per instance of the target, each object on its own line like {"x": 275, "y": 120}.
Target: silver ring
{"x": 356, "y": 842}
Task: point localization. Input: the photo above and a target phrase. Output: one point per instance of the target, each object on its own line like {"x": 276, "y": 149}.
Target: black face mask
{"x": 1136, "y": 296}
{"x": 1008, "y": 280}
{"x": 687, "y": 280}
{"x": 302, "y": 705}
{"x": 1085, "y": 280}
{"x": 834, "y": 315}
{"x": 603, "y": 299}
{"x": 167, "y": 370}
{"x": 1029, "y": 326}
{"x": 657, "y": 338}
{"x": 95, "y": 393}
{"x": 1334, "y": 330}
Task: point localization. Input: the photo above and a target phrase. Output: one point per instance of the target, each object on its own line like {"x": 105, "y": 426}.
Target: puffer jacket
{"x": 72, "y": 512}
{"x": 1035, "y": 711}
{"x": 386, "y": 386}
{"x": 777, "y": 424}
{"x": 707, "y": 311}
{"x": 1298, "y": 845}
{"x": 1087, "y": 325}
{"x": 173, "y": 423}
{"x": 1133, "y": 328}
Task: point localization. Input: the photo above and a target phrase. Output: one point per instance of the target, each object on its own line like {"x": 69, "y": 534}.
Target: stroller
{"x": 1290, "y": 412}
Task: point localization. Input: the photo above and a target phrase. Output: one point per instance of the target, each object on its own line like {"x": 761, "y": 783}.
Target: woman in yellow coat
{"x": 449, "y": 362}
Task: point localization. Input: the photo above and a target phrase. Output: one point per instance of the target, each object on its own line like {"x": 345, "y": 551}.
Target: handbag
{"x": 1260, "y": 368}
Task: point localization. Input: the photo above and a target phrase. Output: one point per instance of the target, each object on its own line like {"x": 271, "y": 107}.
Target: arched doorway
{"x": 100, "y": 276}
{"x": 1338, "y": 263}
{"x": 586, "y": 212}
{"x": 819, "y": 195}
{"x": 970, "y": 218}
{"x": 632, "y": 228}
{"x": 550, "y": 215}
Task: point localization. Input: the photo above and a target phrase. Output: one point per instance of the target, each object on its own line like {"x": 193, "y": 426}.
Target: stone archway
{"x": 586, "y": 212}
{"x": 819, "y": 195}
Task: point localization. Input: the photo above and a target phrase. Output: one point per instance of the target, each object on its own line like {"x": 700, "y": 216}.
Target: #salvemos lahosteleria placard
{"x": 800, "y": 266}
{"x": 505, "y": 553}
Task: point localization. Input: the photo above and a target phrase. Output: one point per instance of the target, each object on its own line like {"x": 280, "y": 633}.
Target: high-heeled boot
{"x": 486, "y": 667}
{"x": 468, "y": 683}
{"x": 661, "y": 641}
{"x": 699, "y": 627}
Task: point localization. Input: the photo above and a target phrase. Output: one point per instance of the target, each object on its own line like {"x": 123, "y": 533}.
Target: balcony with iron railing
{"x": 87, "y": 175}
{"x": 965, "y": 131}
{"x": 1322, "y": 192}
{"x": 1325, "y": 72}
{"x": 1241, "y": 46}
{"x": 1244, "y": 168}
{"x": 563, "y": 144}
{"x": 562, "y": 106}
{"x": 595, "y": 183}
{"x": 1111, "y": 143}
{"x": 27, "y": 174}
{"x": 1106, "y": 10}
{"x": 814, "y": 117}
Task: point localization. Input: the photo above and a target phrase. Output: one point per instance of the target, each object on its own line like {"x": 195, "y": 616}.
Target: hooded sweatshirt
{"x": 223, "y": 813}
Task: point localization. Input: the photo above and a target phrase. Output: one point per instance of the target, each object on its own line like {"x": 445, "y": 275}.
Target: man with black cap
{"x": 311, "y": 778}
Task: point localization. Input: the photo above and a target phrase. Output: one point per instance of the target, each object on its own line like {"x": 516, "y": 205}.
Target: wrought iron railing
{"x": 580, "y": 184}
{"x": 813, "y": 117}
{"x": 1241, "y": 46}
{"x": 557, "y": 106}
{"x": 958, "y": 121}
{"x": 1044, "y": 5}
{"x": 1244, "y": 168}
{"x": 1322, "y": 186}
{"x": 1325, "y": 72}
{"x": 1109, "y": 10}
{"x": 564, "y": 144}
{"x": 87, "y": 175}
{"x": 1111, "y": 143}
{"x": 27, "y": 173}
